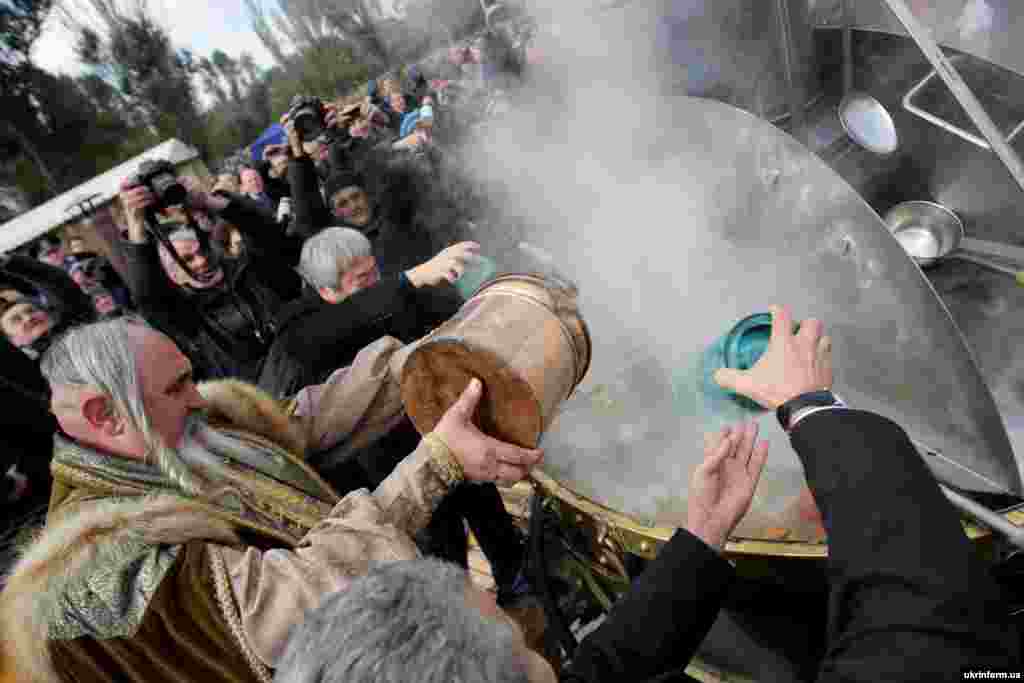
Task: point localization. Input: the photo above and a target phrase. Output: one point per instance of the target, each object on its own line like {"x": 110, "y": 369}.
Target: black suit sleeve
{"x": 309, "y": 213}
{"x": 56, "y": 285}
{"x": 656, "y": 627}
{"x": 909, "y": 599}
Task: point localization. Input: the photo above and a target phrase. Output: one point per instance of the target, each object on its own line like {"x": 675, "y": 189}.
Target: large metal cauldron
{"x": 767, "y": 222}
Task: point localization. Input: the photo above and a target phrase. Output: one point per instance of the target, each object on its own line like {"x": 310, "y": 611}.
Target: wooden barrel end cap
{"x": 437, "y": 373}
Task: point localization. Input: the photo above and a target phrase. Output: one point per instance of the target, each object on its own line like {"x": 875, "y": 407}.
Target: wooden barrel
{"x": 523, "y": 337}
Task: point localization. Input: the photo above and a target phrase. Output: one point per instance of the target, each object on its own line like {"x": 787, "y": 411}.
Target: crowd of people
{"x": 236, "y": 493}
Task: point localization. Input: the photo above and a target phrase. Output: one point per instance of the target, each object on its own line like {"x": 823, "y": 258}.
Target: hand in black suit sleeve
{"x": 657, "y": 626}
{"x": 909, "y": 599}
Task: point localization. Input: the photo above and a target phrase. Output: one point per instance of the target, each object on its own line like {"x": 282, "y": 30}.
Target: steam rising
{"x": 591, "y": 160}
{"x": 676, "y": 219}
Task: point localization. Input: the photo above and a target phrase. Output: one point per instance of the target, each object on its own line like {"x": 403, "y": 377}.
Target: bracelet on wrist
{"x": 447, "y": 464}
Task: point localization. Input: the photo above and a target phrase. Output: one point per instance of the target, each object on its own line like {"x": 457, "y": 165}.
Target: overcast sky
{"x": 200, "y": 25}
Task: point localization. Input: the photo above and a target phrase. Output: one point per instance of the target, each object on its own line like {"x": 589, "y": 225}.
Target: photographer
{"x": 324, "y": 151}
{"x": 223, "y": 312}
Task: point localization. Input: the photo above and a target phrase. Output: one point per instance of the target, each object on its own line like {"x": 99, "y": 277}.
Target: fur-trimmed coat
{"x": 128, "y": 584}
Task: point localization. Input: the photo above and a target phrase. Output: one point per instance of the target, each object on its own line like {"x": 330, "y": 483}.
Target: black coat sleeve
{"x": 263, "y": 234}
{"x": 56, "y": 285}
{"x": 155, "y": 296}
{"x": 309, "y": 213}
{"x": 656, "y": 627}
{"x": 374, "y": 312}
{"x": 328, "y": 336}
{"x": 270, "y": 253}
{"x": 909, "y": 599}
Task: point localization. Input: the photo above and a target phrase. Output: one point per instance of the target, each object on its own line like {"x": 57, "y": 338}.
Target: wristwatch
{"x": 806, "y": 402}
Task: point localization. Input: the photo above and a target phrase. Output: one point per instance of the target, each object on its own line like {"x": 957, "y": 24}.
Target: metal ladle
{"x": 930, "y": 232}
{"x": 866, "y": 120}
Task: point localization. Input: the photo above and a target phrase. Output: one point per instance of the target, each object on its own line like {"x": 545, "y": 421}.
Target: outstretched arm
{"x": 909, "y": 599}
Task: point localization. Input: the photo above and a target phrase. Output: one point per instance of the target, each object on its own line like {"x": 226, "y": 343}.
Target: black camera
{"x": 308, "y": 115}
{"x": 162, "y": 180}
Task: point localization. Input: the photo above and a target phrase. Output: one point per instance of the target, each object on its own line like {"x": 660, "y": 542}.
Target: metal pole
{"x": 796, "y": 100}
{"x": 847, "y": 48}
{"x": 960, "y": 91}
{"x": 992, "y": 520}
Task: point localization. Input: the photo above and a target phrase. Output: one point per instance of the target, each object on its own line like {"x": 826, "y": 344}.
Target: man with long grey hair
{"x": 186, "y": 535}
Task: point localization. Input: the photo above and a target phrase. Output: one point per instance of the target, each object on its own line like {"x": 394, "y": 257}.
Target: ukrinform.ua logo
{"x": 992, "y": 675}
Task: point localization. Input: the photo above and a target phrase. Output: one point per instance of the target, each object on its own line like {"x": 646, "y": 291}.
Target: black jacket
{"x": 63, "y": 296}
{"x": 275, "y": 188}
{"x": 400, "y": 242}
{"x": 309, "y": 212}
{"x": 316, "y": 338}
{"x": 909, "y": 599}
{"x": 26, "y": 424}
{"x": 226, "y": 330}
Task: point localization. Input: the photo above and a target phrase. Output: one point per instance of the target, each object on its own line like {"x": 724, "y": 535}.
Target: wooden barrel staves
{"x": 523, "y": 337}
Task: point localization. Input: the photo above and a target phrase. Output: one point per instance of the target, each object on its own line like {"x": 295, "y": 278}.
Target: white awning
{"x": 53, "y": 213}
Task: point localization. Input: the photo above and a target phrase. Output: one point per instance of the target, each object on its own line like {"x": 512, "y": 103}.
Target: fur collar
{"x": 249, "y": 408}
{"x": 67, "y": 548}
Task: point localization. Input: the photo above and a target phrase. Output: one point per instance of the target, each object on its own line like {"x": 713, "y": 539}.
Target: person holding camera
{"x": 338, "y": 168}
{"x": 223, "y": 312}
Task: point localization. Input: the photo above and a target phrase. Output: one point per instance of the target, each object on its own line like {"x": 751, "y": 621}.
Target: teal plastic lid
{"x": 476, "y": 274}
{"x": 747, "y": 341}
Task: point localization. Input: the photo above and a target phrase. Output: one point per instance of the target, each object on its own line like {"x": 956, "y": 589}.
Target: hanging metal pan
{"x": 930, "y": 232}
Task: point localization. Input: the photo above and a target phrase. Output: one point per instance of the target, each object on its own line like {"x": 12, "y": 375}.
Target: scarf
{"x": 243, "y": 477}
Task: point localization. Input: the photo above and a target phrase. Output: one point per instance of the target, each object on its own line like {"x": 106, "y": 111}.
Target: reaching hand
{"x": 482, "y": 457}
{"x": 197, "y": 197}
{"x": 294, "y": 141}
{"x": 722, "y": 486}
{"x": 331, "y": 119}
{"x": 447, "y": 266}
{"x": 794, "y": 364}
{"x": 135, "y": 199}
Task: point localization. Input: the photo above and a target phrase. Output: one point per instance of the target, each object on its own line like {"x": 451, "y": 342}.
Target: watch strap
{"x": 813, "y": 399}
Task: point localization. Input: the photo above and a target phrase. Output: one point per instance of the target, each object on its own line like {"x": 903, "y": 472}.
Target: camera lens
{"x": 307, "y": 123}
{"x": 167, "y": 188}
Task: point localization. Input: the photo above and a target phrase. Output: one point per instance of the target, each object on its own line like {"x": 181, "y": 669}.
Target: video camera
{"x": 160, "y": 177}
{"x": 309, "y": 116}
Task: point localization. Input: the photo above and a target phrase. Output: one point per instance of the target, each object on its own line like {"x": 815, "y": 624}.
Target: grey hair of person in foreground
{"x": 403, "y": 622}
{"x": 102, "y": 356}
{"x": 327, "y": 255}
